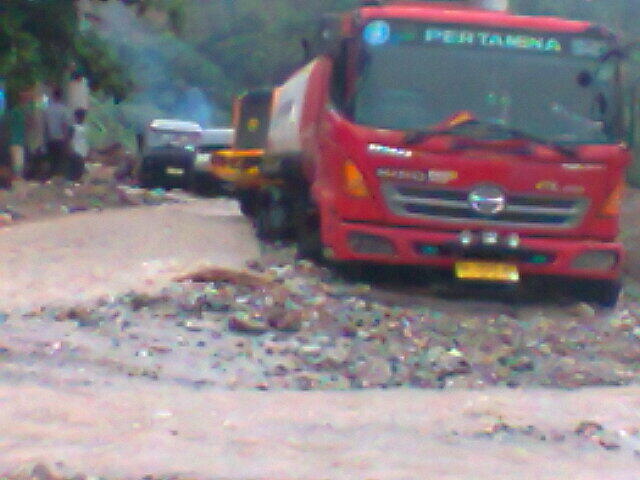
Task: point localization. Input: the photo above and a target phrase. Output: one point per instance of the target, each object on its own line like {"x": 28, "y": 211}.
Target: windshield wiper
{"x": 415, "y": 137}
{"x": 522, "y": 135}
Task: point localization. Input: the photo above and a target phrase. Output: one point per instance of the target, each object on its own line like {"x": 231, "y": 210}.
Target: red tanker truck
{"x": 454, "y": 135}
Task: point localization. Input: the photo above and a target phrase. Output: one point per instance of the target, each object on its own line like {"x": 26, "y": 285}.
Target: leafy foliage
{"x": 256, "y": 43}
{"x": 36, "y": 39}
{"x": 618, "y": 15}
{"x": 157, "y": 49}
{"x": 39, "y": 40}
{"x": 230, "y": 45}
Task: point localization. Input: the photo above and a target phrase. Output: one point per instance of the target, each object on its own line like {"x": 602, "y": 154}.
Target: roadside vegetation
{"x": 150, "y": 58}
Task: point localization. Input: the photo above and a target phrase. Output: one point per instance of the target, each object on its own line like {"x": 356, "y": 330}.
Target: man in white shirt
{"x": 78, "y": 92}
{"x": 79, "y": 143}
{"x": 57, "y": 126}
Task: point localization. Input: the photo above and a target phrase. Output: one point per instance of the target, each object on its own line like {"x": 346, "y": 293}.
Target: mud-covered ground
{"x": 287, "y": 325}
{"x": 297, "y": 327}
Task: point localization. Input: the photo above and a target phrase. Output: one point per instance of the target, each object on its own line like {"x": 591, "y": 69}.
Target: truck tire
{"x": 205, "y": 185}
{"x": 605, "y": 293}
{"x": 307, "y": 230}
{"x": 273, "y": 214}
{"x": 248, "y": 201}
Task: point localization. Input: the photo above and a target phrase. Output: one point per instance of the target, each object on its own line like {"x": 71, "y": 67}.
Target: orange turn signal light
{"x": 614, "y": 201}
{"x": 354, "y": 180}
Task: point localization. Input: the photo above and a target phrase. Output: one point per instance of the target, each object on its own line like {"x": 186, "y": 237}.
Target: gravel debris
{"x": 297, "y": 326}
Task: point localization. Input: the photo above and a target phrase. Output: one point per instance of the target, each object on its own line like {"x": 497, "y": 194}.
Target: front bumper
{"x": 241, "y": 178}
{"x": 407, "y": 246}
{"x": 166, "y": 172}
{"x": 166, "y": 169}
{"x": 239, "y": 168}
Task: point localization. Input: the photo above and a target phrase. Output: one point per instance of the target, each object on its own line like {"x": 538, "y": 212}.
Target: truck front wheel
{"x": 204, "y": 184}
{"x": 248, "y": 201}
{"x": 606, "y": 293}
{"x": 273, "y": 214}
{"x": 307, "y": 230}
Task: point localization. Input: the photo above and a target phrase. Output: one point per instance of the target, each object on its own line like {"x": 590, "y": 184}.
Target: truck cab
{"x": 461, "y": 136}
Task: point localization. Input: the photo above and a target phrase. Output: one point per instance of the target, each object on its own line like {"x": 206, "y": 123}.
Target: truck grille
{"x": 452, "y": 205}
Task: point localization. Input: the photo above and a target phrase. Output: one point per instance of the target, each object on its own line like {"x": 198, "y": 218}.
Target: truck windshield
{"x": 414, "y": 76}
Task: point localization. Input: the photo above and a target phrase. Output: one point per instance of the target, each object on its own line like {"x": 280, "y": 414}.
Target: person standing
{"x": 17, "y": 119}
{"x": 79, "y": 144}
{"x": 57, "y": 127}
{"x": 6, "y": 172}
{"x": 78, "y": 92}
{"x": 35, "y": 142}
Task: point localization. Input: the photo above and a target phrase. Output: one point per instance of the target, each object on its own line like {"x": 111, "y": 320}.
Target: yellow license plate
{"x": 176, "y": 172}
{"x": 487, "y": 271}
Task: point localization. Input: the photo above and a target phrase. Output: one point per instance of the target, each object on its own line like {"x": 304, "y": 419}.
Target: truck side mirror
{"x": 631, "y": 96}
{"x": 632, "y": 120}
{"x": 329, "y": 35}
{"x": 306, "y": 48}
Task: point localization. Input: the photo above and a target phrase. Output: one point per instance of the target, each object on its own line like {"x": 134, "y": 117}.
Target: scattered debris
{"x": 33, "y": 200}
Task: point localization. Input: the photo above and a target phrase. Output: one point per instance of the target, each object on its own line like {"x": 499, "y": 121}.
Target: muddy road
{"x": 132, "y": 430}
{"x": 110, "y": 368}
{"x": 78, "y": 258}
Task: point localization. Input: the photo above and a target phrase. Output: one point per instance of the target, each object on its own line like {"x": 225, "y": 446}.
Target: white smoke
{"x": 147, "y": 53}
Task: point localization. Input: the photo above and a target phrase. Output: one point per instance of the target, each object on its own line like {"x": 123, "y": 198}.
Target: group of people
{"x": 48, "y": 139}
{"x": 66, "y": 138}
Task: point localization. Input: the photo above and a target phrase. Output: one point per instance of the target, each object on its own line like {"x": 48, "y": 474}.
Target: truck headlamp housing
{"x": 613, "y": 203}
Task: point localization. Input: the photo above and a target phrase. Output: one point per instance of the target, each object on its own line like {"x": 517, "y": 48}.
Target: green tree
{"x": 36, "y": 38}
{"x": 618, "y": 15}
{"x": 39, "y": 39}
{"x": 256, "y": 42}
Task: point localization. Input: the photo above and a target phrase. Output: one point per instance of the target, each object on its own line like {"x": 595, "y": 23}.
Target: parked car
{"x": 212, "y": 140}
{"x": 169, "y": 153}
